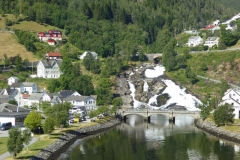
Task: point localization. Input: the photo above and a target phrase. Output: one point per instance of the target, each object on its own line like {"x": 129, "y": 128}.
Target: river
{"x": 160, "y": 139}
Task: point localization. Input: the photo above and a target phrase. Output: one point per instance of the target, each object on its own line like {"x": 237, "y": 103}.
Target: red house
{"x": 51, "y": 34}
{"x": 53, "y": 55}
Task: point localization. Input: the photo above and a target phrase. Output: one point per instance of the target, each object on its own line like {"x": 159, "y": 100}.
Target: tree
{"x": 27, "y": 137}
{"x": 18, "y": 63}
{"x": 33, "y": 120}
{"x": 168, "y": 58}
{"x": 60, "y": 113}
{"x": 66, "y": 66}
{"x": 82, "y": 84}
{"x": 205, "y": 111}
{"x": 117, "y": 102}
{"x": 48, "y": 125}
{"x": 15, "y": 141}
{"x": 223, "y": 114}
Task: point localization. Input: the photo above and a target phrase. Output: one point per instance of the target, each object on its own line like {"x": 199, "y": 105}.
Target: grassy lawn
{"x": 46, "y": 140}
{"x": 3, "y": 144}
{"x": 11, "y": 47}
{"x": 32, "y": 26}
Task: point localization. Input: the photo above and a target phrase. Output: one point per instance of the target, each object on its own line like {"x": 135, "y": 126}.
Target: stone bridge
{"x": 147, "y": 113}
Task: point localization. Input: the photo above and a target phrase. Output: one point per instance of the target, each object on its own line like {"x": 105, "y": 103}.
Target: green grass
{"x": 3, "y": 145}
{"x": 33, "y": 26}
{"x": 46, "y": 140}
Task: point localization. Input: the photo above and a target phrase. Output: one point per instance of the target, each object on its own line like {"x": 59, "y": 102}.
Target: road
{"x": 218, "y": 81}
{"x": 7, "y": 154}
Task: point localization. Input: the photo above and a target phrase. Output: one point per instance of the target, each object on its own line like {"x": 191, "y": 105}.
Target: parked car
{"x": 71, "y": 121}
{"x": 83, "y": 119}
{"x": 6, "y": 126}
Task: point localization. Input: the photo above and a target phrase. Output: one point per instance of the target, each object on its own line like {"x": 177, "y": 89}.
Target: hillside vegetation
{"x": 109, "y": 27}
{"x": 11, "y": 47}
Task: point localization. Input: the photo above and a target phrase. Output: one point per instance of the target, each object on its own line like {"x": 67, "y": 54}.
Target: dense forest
{"x": 233, "y": 4}
{"x": 126, "y": 27}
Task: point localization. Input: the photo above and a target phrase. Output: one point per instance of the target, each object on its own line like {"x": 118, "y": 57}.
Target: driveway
{"x": 5, "y": 134}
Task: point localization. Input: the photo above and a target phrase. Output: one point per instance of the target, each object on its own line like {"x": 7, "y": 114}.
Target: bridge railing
{"x": 160, "y": 111}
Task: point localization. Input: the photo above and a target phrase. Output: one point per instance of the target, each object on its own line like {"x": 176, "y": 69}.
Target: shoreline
{"x": 54, "y": 150}
{"x": 216, "y": 131}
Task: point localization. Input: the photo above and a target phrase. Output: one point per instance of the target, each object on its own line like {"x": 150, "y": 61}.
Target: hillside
{"x": 233, "y": 4}
{"x": 11, "y": 47}
{"x": 125, "y": 26}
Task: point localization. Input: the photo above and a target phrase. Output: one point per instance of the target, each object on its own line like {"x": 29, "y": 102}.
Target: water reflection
{"x": 159, "y": 139}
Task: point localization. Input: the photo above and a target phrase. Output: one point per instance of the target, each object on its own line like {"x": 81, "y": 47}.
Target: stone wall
{"x": 59, "y": 146}
{"x": 217, "y": 131}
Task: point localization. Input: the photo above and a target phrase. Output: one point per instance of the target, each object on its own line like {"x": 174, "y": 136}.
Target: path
{"x": 218, "y": 81}
{"x": 7, "y": 154}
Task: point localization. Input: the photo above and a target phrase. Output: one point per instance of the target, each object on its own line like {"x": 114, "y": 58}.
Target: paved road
{"x": 7, "y": 154}
{"x": 218, "y": 81}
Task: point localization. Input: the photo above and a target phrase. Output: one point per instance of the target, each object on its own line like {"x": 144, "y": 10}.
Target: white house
{"x": 94, "y": 54}
{"x": 217, "y": 22}
{"x": 211, "y": 41}
{"x": 30, "y": 87}
{"x": 87, "y": 101}
{"x": 194, "y": 41}
{"x": 12, "y": 113}
{"x": 51, "y": 42}
{"x": 35, "y": 98}
{"x": 232, "y": 97}
{"x": 49, "y": 68}
{"x": 53, "y": 55}
{"x": 18, "y": 86}
{"x": 12, "y": 80}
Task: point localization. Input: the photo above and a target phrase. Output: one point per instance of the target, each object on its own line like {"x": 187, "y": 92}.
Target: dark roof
{"x": 66, "y": 93}
{"x": 76, "y": 98}
{"x": 12, "y": 114}
{"x": 6, "y": 107}
{"x": 16, "y": 85}
{"x": 50, "y": 62}
{"x": 10, "y": 91}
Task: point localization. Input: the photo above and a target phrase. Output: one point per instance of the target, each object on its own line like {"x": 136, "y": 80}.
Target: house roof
{"x": 94, "y": 54}
{"x": 66, "y": 93}
{"x": 49, "y": 62}
{"x": 11, "y": 91}
{"x": 1, "y": 91}
{"x": 14, "y": 78}
{"x": 55, "y": 31}
{"x": 76, "y": 98}
{"x": 193, "y": 38}
{"x": 53, "y": 54}
{"x": 16, "y": 85}
{"x": 94, "y": 96}
{"x": 28, "y": 84}
{"x": 35, "y": 96}
{"x": 211, "y": 38}
{"x": 25, "y": 96}
{"x": 6, "y": 107}
{"x": 4, "y": 98}
{"x": 12, "y": 114}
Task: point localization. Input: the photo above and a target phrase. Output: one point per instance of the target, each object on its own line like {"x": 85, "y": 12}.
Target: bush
{"x": 224, "y": 114}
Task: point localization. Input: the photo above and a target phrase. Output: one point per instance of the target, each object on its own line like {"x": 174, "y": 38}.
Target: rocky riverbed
{"x": 54, "y": 150}
{"x": 146, "y": 86}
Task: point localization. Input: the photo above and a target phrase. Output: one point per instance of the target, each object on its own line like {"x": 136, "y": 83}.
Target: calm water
{"x": 158, "y": 140}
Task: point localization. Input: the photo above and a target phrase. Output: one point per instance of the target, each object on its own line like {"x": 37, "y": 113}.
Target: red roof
{"x": 25, "y": 96}
{"x": 210, "y": 26}
{"x": 54, "y": 54}
{"x": 51, "y": 40}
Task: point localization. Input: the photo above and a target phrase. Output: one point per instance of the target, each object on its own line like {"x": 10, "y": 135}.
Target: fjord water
{"x": 158, "y": 140}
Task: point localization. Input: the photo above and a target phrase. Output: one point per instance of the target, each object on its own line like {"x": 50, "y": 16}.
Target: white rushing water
{"x": 145, "y": 86}
{"x": 177, "y": 94}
